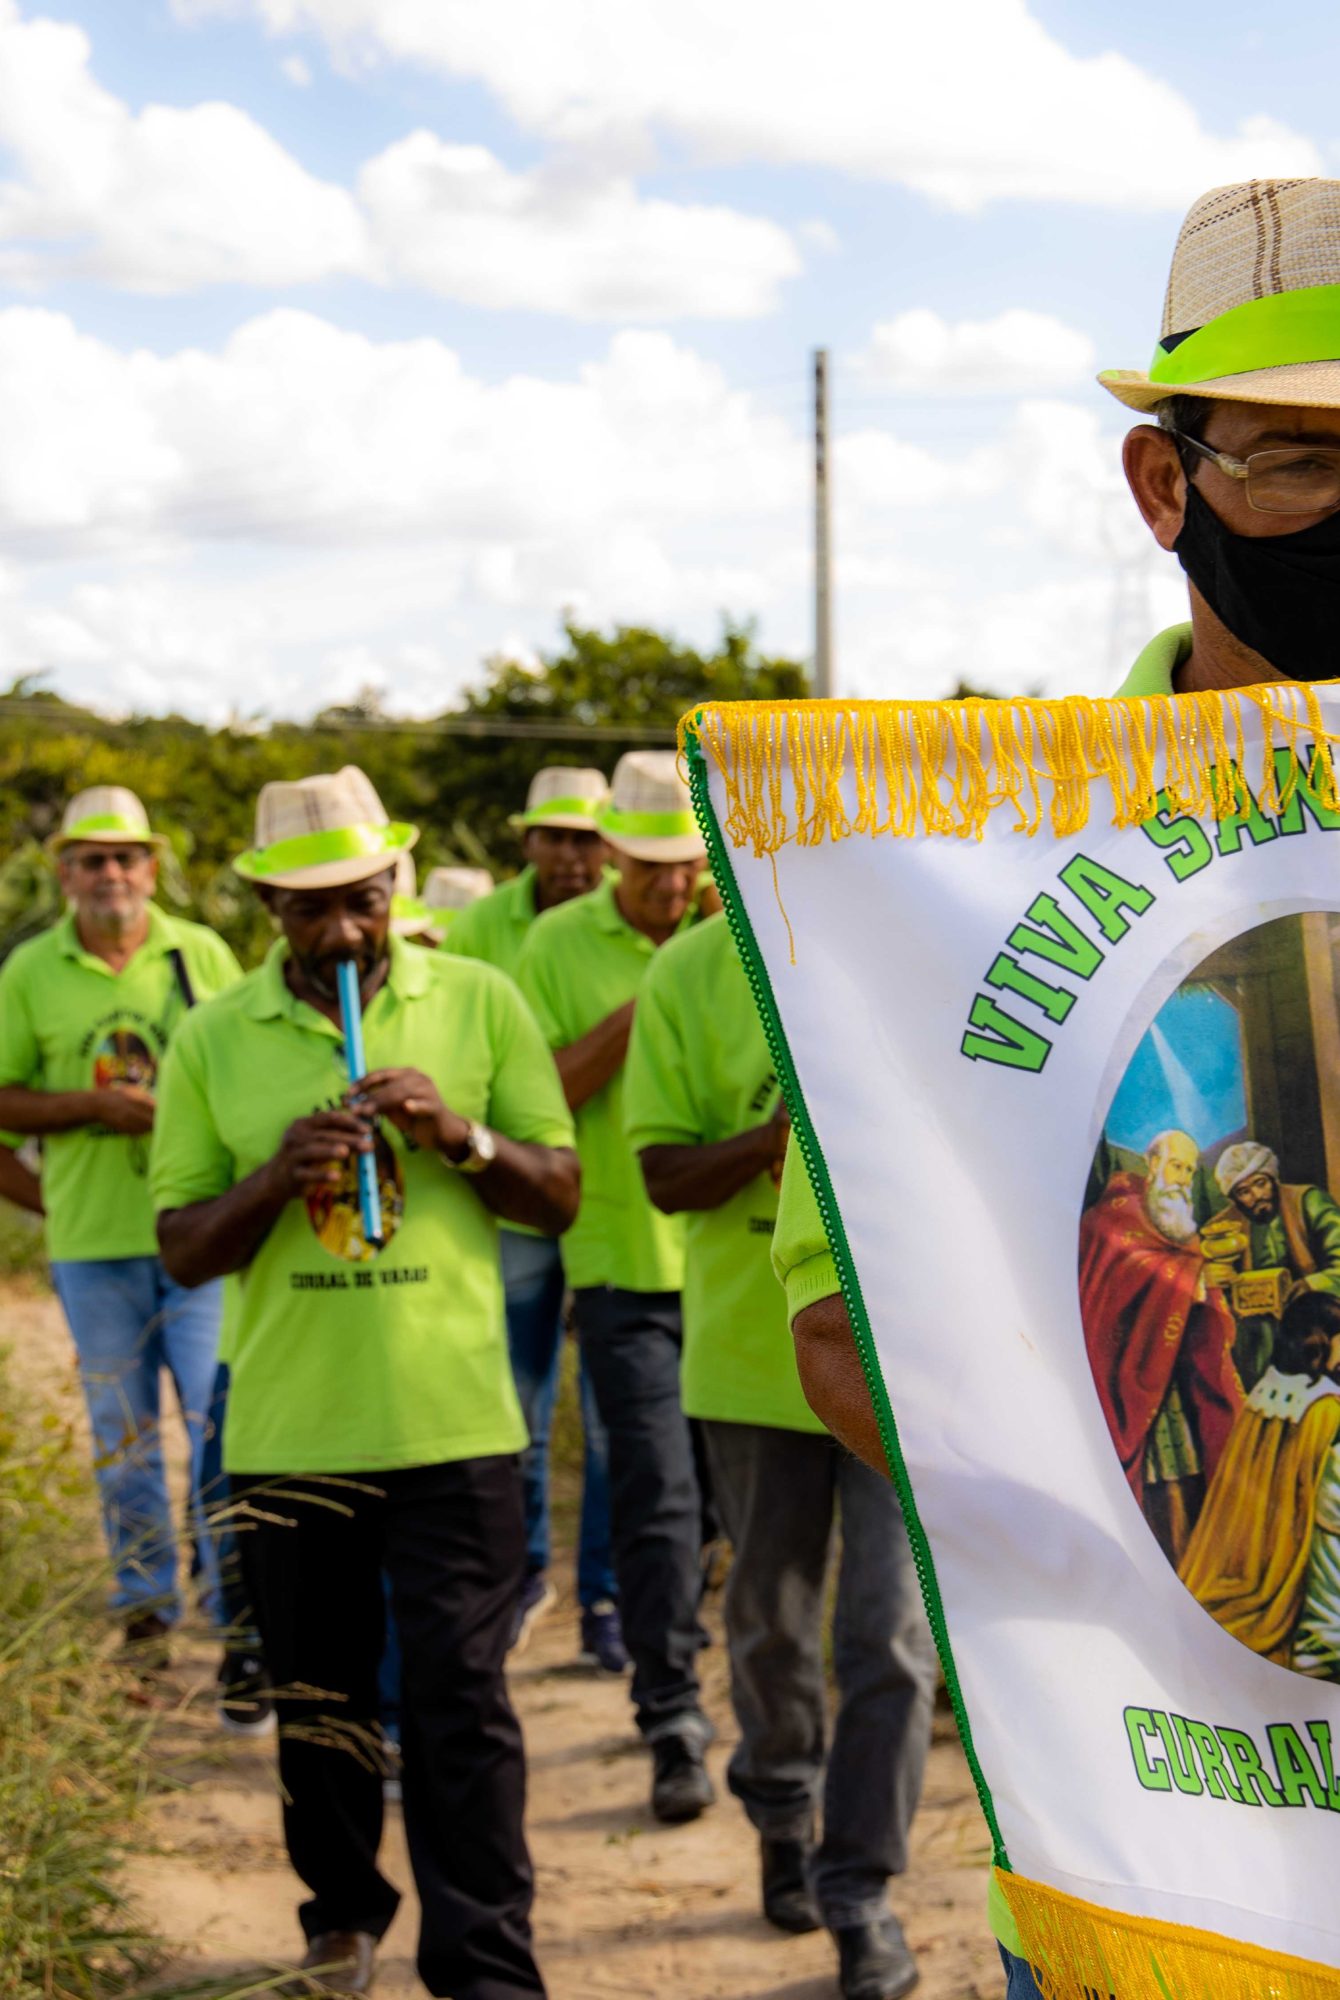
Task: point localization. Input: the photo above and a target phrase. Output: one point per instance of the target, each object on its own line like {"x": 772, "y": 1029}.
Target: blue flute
{"x": 351, "y": 1015}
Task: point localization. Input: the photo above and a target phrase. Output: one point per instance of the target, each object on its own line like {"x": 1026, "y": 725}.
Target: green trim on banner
{"x": 1274, "y": 332}
{"x": 802, "y": 1124}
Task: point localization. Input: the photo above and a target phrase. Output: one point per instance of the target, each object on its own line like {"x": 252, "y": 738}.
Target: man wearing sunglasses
{"x": 86, "y": 1013}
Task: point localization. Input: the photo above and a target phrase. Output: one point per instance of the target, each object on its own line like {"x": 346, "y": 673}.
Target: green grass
{"x": 22, "y": 1246}
{"x": 72, "y": 1768}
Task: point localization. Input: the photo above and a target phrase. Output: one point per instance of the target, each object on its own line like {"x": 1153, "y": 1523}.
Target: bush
{"x": 72, "y": 1770}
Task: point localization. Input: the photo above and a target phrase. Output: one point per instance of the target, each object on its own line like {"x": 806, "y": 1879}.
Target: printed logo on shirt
{"x": 120, "y": 1060}
{"x": 336, "y": 1215}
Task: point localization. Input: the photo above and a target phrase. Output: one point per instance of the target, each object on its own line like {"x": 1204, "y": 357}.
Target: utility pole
{"x": 823, "y": 595}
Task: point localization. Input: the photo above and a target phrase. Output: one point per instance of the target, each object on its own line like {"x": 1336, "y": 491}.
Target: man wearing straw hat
{"x": 564, "y": 855}
{"x": 1239, "y": 477}
{"x": 372, "y": 1425}
{"x": 426, "y": 919}
{"x": 581, "y": 969}
{"x": 87, "y": 1011}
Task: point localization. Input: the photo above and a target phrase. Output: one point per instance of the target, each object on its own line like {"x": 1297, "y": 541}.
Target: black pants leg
{"x": 631, "y": 1345}
{"x": 312, "y": 1555}
{"x": 455, "y": 1554}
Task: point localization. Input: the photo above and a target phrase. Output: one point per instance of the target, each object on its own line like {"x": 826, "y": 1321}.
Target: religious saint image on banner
{"x": 1209, "y": 1280}
{"x": 336, "y": 1214}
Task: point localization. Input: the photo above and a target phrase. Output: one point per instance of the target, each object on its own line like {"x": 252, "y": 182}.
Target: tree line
{"x": 199, "y": 784}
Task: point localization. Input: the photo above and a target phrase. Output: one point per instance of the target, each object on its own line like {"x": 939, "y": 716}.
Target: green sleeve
{"x": 188, "y": 1161}
{"x": 800, "y": 1253}
{"x": 657, "y": 1087}
{"x": 534, "y": 975}
{"x": 20, "y": 1056}
{"x": 526, "y": 1100}
{"x": 1323, "y": 1228}
{"x": 462, "y": 936}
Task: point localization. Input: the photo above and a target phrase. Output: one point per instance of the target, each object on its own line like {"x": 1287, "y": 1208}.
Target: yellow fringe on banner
{"x": 1081, "y": 1952}
{"x": 945, "y": 766}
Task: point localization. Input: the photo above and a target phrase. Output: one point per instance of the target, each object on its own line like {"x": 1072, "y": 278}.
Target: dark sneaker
{"x": 538, "y": 1598}
{"x": 602, "y": 1638}
{"x": 680, "y": 1786}
{"x": 874, "y": 1962}
{"x": 335, "y": 1962}
{"x": 788, "y": 1900}
{"x": 246, "y": 1706}
{"x": 145, "y": 1649}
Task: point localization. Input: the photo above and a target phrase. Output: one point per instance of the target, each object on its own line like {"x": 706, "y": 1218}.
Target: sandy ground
{"x": 623, "y": 1906}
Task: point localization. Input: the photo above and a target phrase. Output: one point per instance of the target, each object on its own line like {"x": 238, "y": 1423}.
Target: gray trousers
{"x": 779, "y": 1493}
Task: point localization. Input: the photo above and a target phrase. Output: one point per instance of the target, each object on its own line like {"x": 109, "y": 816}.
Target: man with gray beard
{"x": 1160, "y": 1339}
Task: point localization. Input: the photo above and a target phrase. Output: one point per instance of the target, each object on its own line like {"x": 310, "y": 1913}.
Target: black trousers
{"x": 451, "y": 1540}
{"x": 631, "y": 1344}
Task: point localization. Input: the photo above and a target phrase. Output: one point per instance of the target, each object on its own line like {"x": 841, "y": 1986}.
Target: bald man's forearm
{"x": 834, "y": 1381}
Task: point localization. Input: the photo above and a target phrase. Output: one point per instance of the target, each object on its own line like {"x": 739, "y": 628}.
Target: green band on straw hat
{"x": 646, "y": 825}
{"x": 569, "y": 808}
{"x": 104, "y": 826}
{"x": 315, "y": 850}
{"x": 1282, "y": 329}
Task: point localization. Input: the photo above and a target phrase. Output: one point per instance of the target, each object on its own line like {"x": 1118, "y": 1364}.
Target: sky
{"x": 348, "y": 343}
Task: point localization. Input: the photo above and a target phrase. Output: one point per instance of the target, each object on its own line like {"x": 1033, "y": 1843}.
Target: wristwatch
{"x": 481, "y": 1150}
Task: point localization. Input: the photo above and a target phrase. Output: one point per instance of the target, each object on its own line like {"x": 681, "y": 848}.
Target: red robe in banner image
{"x": 1143, "y": 1325}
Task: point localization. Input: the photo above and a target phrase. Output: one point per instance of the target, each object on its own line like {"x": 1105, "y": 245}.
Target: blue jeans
{"x": 129, "y": 1322}
{"x": 533, "y": 1285}
{"x": 1019, "y": 1981}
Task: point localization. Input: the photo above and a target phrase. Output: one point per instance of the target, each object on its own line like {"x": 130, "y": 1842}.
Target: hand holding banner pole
{"x": 351, "y": 1015}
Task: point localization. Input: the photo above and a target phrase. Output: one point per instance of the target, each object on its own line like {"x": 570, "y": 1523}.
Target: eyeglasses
{"x": 95, "y": 859}
{"x": 1291, "y": 480}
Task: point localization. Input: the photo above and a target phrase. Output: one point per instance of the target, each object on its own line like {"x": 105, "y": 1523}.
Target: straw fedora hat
{"x": 1252, "y": 313}
{"x": 649, "y": 813}
{"x": 450, "y": 889}
{"x": 563, "y": 796}
{"x": 107, "y": 815}
{"x": 446, "y": 892}
{"x": 320, "y": 833}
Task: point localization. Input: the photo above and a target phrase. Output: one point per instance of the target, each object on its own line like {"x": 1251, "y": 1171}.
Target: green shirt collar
{"x": 607, "y": 915}
{"x": 270, "y": 998}
{"x": 1154, "y": 669}
{"x": 161, "y": 939}
{"x": 521, "y": 902}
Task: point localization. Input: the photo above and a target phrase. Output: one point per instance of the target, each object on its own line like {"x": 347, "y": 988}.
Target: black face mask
{"x": 1279, "y": 594}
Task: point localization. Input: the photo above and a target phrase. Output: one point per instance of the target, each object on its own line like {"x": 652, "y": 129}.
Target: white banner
{"x": 1077, "y": 1099}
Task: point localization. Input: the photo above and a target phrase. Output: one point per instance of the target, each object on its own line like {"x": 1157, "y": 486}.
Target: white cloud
{"x": 970, "y": 102}
{"x": 164, "y": 200}
{"x": 298, "y": 71}
{"x": 169, "y": 200}
{"x": 1019, "y": 350}
{"x": 306, "y": 510}
{"x": 302, "y": 434}
{"x": 455, "y": 220}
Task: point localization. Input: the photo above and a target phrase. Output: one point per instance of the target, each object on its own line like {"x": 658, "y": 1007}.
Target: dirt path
{"x": 624, "y": 1906}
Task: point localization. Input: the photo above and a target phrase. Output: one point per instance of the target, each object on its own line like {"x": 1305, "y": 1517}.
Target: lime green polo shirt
{"x": 69, "y": 1022}
{"x": 801, "y": 1256}
{"x": 495, "y": 927}
{"x": 581, "y": 962}
{"x": 346, "y": 1359}
{"x": 699, "y": 1071}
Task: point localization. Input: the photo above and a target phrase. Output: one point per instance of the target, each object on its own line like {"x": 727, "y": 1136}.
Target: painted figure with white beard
{"x": 1159, "y": 1337}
